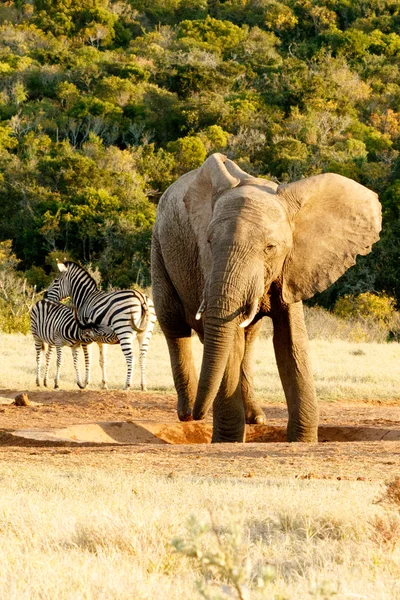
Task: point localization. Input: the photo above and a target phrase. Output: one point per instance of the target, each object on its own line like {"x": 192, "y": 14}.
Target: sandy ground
{"x": 332, "y": 460}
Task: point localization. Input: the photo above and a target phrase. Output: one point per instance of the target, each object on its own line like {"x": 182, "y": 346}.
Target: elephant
{"x": 229, "y": 249}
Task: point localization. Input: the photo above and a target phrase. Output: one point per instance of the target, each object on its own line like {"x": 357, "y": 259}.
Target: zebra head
{"x": 73, "y": 281}
{"x": 103, "y": 334}
{"x": 91, "y": 332}
{"x": 60, "y": 287}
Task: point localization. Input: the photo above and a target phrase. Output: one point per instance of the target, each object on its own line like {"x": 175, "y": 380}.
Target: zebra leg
{"x": 142, "y": 364}
{"x": 59, "y": 360}
{"x": 103, "y": 364}
{"x": 47, "y": 363}
{"x": 87, "y": 353}
{"x": 143, "y": 340}
{"x": 75, "y": 358}
{"x": 39, "y": 346}
{"x": 126, "y": 346}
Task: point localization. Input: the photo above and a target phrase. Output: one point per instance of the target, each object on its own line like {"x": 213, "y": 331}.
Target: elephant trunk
{"x": 231, "y": 301}
{"x": 218, "y": 342}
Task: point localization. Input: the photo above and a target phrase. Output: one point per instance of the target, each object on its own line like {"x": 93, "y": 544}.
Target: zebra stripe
{"x": 129, "y": 313}
{"x": 54, "y": 325}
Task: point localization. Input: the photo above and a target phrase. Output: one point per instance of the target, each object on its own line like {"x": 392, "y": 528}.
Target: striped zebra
{"x": 54, "y": 325}
{"x": 129, "y": 313}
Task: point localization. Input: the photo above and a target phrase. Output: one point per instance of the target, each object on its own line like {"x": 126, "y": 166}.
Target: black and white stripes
{"x": 127, "y": 312}
{"x": 54, "y": 325}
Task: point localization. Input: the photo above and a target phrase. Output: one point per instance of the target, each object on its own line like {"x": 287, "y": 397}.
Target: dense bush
{"x": 322, "y": 324}
{"x": 16, "y": 296}
{"x": 354, "y": 327}
{"x": 103, "y": 104}
{"x": 379, "y": 309}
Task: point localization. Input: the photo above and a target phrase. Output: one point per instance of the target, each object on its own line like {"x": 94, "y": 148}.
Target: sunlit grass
{"x": 73, "y": 532}
{"x": 345, "y": 370}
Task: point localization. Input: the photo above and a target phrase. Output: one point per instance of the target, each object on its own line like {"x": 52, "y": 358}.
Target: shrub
{"x": 322, "y": 324}
{"x": 16, "y": 296}
{"x": 378, "y": 308}
{"x": 372, "y": 310}
{"x": 16, "y": 300}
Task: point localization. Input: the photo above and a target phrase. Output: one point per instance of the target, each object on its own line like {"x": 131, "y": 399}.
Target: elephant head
{"x": 251, "y": 233}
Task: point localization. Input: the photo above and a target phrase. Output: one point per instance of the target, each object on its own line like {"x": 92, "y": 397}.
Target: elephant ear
{"x": 334, "y": 219}
{"x": 216, "y": 176}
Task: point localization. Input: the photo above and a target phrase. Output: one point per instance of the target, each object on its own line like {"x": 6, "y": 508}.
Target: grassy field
{"x": 90, "y": 533}
{"x": 77, "y": 528}
{"x": 342, "y": 370}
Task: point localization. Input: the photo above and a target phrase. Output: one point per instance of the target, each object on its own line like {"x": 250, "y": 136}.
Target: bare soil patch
{"x": 363, "y": 460}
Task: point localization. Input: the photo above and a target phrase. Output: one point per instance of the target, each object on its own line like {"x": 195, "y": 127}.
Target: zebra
{"x": 54, "y": 324}
{"x": 127, "y": 312}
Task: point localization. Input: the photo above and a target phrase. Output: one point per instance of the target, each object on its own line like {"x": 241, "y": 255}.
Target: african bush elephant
{"x": 229, "y": 249}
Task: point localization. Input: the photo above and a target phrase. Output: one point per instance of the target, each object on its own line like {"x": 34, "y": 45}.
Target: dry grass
{"x": 342, "y": 369}
{"x": 99, "y": 533}
{"x": 76, "y": 532}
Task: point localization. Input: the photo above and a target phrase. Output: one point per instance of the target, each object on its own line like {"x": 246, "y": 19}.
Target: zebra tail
{"x": 144, "y": 320}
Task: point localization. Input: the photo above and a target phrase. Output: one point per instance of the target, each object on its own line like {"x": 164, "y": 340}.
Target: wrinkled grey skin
{"x": 244, "y": 248}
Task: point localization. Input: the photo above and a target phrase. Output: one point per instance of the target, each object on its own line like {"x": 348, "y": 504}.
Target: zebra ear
{"x": 61, "y": 266}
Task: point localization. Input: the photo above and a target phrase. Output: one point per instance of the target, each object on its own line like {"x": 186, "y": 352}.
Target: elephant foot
{"x": 144, "y": 388}
{"x": 185, "y": 415}
{"x": 310, "y": 437}
{"x": 256, "y": 418}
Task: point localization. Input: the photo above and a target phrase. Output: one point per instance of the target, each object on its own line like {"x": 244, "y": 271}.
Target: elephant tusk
{"x": 251, "y": 315}
{"x": 202, "y": 308}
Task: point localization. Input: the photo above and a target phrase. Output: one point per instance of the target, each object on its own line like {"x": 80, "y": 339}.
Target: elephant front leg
{"x": 292, "y": 357}
{"x": 228, "y": 407}
{"x": 253, "y": 411}
{"x": 184, "y": 374}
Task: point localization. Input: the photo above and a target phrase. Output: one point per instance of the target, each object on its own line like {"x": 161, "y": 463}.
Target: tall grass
{"x": 342, "y": 369}
{"x": 324, "y": 325}
{"x": 73, "y": 532}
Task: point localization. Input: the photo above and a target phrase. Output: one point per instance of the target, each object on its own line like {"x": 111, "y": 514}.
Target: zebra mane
{"x": 68, "y": 263}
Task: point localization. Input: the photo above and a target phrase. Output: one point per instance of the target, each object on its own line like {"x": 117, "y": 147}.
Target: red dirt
{"x": 332, "y": 460}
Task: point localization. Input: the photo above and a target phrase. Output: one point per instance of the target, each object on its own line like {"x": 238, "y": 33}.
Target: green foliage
{"x": 104, "y": 103}
{"x": 16, "y": 296}
{"x": 369, "y": 306}
{"x": 189, "y": 152}
{"x": 378, "y": 310}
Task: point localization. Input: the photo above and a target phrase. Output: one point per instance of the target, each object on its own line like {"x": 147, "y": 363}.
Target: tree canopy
{"x": 103, "y": 103}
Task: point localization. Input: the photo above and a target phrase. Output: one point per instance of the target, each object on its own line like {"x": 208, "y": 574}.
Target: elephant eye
{"x": 270, "y": 247}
